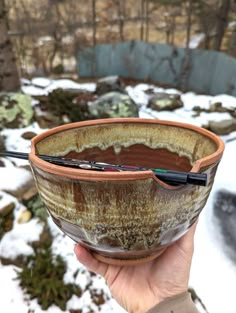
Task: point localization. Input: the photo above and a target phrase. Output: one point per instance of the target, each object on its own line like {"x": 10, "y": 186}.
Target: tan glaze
{"x": 125, "y": 217}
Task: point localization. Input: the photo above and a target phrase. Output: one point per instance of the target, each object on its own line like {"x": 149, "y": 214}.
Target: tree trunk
{"x": 147, "y": 20}
{"x": 189, "y": 22}
{"x": 142, "y": 20}
{"x": 222, "y": 20}
{"x": 94, "y": 22}
{"x": 120, "y": 13}
{"x": 173, "y": 27}
{"x": 9, "y": 77}
{"x": 232, "y": 43}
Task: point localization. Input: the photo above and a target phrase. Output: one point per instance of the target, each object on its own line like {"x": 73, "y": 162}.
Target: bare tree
{"x": 142, "y": 12}
{"x": 94, "y": 22}
{"x": 9, "y": 77}
{"x": 189, "y": 12}
{"x": 222, "y": 21}
{"x": 121, "y": 11}
{"x": 147, "y": 20}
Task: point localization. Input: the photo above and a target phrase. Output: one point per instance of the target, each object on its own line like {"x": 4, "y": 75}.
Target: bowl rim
{"x": 75, "y": 173}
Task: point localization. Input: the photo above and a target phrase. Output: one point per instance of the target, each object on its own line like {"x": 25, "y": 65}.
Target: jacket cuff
{"x": 181, "y": 303}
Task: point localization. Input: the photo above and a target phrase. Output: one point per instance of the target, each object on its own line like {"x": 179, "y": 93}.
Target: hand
{"x": 139, "y": 288}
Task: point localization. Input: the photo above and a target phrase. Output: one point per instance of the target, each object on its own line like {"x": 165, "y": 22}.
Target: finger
{"x": 86, "y": 258}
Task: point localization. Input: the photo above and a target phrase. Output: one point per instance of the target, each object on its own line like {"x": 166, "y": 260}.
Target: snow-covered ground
{"x": 213, "y": 274}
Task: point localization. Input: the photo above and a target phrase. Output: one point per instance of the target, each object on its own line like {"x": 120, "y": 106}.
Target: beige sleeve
{"x": 181, "y": 303}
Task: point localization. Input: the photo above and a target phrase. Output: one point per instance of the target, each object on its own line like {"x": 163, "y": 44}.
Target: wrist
{"x": 166, "y": 296}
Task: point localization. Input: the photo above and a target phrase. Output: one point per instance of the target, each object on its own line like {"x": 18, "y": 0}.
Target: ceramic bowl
{"x": 125, "y": 217}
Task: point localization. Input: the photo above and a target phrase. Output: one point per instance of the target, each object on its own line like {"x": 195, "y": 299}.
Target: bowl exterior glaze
{"x": 124, "y": 217}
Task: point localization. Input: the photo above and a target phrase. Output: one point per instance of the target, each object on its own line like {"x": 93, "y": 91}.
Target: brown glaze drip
{"x": 137, "y": 155}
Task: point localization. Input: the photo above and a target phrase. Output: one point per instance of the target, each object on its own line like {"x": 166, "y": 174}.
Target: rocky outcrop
{"x": 224, "y": 127}
{"x": 113, "y": 104}
{"x": 15, "y": 110}
{"x": 108, "y": 84}
{"x": 164, "y": 101}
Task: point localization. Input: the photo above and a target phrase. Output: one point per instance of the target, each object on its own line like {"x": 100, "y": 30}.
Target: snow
{"x": 38, "y": 84}
{"x": 213, "y": 275}
{"x": 41, "y": 82}
{"x": 15, "y": 142}
{"x": 13, "y": 178}
{"x": 68, "y": 84}
{"x": 5, "y": 199}
{"x": 196, "y": 40}
{"x": 16, "y": 242}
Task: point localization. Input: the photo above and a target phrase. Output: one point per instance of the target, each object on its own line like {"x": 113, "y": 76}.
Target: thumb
{"x": 87, "y": 259}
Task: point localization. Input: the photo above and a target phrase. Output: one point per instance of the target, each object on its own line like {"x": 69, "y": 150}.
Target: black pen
{"x": 168, "y": 176}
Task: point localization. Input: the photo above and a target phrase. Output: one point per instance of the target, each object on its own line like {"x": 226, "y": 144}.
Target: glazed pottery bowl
{"x": 125, "y": 217}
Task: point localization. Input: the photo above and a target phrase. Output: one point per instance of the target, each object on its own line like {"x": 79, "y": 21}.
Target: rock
{"x": 28, "y": 135}
{"x": 7, "y": 204}
{"x": 15, "y": 110}
{"x": 225, "y": 211}
{"x": 108, "y": 84}
{"x": 2, "y": 148}
{"x": 224, "y": 127}
{"x": 24, "y": 217}
{"x": 16, "y": 181}
{"x": 30, "y": 193}
{"x": 164, "y": 101}
{"x": 215, "y": 107}
{"x": 113, "y": 104}
{"x": 2, "y": 144}
{"x": 46, "y": 119}
{"x": 7, "y": 208}
{"x": 45, "y": 237}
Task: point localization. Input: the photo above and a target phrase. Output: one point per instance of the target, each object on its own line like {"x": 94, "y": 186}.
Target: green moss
{"x": 15, "y": 110}
{"x": 37, "y": 207}
{"x": 63, "y": 103}
{"x": 113, "y": 104}
{"x": 24, "y": 104}
{"x": 42, "y": 278}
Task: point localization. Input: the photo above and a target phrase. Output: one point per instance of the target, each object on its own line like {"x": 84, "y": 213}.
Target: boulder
{"x": 7, "y": 204}
{"x": 2, "y": 148}
{"x": 215, "y": 107}
{"x": 113, "y": 104}
{"x": 46, "y": 119}
{"x": 164, "y": 101}
{"x": 28, "y": 135}
{"x": 224, "y": 127}
{"x": 15, "y": 110}
{"x": 108, "y": 84}
{"x": 2, "y": 144}
{"x": 25, "y": 216}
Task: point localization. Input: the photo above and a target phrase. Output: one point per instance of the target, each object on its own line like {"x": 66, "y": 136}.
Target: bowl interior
{"x": 141, "y": 144}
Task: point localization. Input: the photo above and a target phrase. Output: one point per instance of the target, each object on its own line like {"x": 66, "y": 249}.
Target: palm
{"x": 138, "y": 288}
